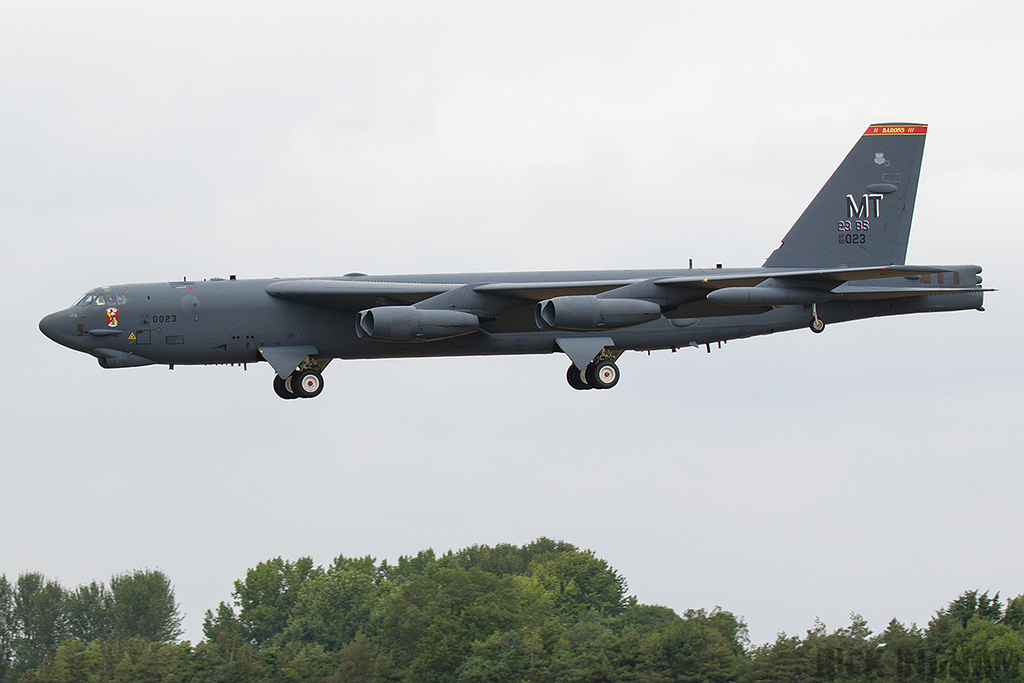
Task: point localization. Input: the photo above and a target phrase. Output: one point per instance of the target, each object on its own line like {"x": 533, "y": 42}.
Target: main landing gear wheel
{"x": 283, "y": 387}
{"x": 307, "y": 383}
{"x": 817, "y": 325}
{"x": 603, "y": 374}
{"x": 577, "y": 379}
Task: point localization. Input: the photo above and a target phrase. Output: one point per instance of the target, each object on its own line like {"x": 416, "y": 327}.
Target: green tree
{"x": 499, "y": 658}
{"x": 903, "y": 654}
{"x": 224, "y": 626}
{"x": 227, "y": 660}
{"x": 505, "y": 558}
{"x": 7, "y": 627}
{"x": 701, "y": 646}
{"x": 408, "y": 567}
{"x": 306, "y": 663}
{"x": 1014, "y": 615}
{"x": 143, "y": 606}
{"x": 586, "y": 651}
{"x": 847, "y": 654}
{"x": 360, "y": 661}
{"x": 787, "y": 660}
{"x": 136, "y": 659}
{"x": 332, "y": 608}
{"x": 264, "y": 599}
{"x": 429, "y": 624}
{"x": 89, "y": 612}
{"x": 959, "y": 613}
{"x": 981, "y": 651}
{"x": 577, "y": 581}
{"x": 39, "y": 620}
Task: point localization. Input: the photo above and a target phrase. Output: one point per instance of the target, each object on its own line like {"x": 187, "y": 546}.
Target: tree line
{"x": 38, "y": 616}
{"x": 543, "y": 612}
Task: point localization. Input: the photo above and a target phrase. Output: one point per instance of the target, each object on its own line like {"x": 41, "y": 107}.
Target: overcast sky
{"x": 875, "y": 468}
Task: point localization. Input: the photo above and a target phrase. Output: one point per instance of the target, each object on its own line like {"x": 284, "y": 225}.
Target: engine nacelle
{"x": 769, "y": 296}
{"x": 584, "y": 313}
{"x": 408, "y": 323}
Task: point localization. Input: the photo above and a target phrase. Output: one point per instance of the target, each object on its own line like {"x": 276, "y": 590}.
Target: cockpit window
{"x": 103, "y": 300}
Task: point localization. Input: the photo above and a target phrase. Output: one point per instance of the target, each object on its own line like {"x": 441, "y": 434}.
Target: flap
{"x": 867, "y": 292}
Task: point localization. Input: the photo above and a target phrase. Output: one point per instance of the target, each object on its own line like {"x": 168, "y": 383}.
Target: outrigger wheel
{"x": 817, "y": 324}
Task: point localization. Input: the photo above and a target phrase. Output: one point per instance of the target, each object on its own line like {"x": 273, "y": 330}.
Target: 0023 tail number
{"x": 851, "y": 232}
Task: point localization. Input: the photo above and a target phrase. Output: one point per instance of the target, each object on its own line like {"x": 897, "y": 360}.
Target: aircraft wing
{"x": 801, "y": 285}
{"x": 354, "y": 295}
{"x": 868, "y": 293}
{"x": 826, "y": 276}
{"x": 536, "y": 291}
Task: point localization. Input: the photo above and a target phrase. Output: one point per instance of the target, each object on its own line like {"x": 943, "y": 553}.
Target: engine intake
{"x": 584, "y": 313}
{"x": 408, "y": 323}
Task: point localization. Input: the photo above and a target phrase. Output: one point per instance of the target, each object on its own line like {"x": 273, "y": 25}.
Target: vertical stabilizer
{"x": 861, "y": 217}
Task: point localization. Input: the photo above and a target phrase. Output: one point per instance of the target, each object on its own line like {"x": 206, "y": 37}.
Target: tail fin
{"x": 861, "y": 217}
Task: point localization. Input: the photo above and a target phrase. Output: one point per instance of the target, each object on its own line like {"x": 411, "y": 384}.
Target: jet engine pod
{"x": 408, "y": 323}
{"x": 583, "y": 313}
{"x": 769, "y": 296}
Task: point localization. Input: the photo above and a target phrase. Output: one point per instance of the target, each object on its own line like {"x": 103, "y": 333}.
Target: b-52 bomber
{"x": 844, "y": 259}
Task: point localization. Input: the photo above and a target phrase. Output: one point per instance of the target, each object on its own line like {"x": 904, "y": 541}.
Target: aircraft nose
{"x": 53, "y": 326}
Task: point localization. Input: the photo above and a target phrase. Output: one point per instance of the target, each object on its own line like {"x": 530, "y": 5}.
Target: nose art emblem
{"x": 111, "y": 317}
